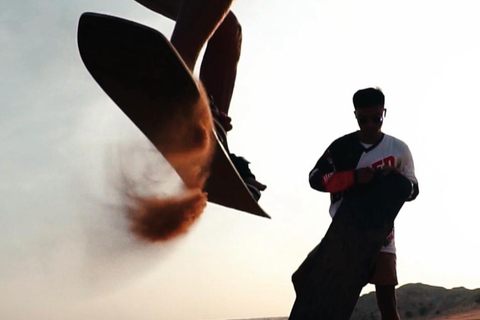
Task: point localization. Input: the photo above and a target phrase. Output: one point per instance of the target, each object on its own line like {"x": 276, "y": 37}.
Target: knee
{"x": 233, "y": 24}
{"x": 230, "y": 28}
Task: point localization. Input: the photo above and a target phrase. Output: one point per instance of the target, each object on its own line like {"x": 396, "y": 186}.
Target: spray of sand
{"x": 187, "y": 143}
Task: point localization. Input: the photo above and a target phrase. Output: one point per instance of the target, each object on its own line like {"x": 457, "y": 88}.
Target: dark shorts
{"x": 385, "y": 272}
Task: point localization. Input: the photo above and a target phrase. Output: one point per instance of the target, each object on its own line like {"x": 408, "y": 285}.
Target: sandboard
{"x": 329, "y": 281}
{"x": 142, "y": 73}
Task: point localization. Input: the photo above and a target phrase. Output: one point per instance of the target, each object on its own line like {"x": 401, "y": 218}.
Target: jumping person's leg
{"x": 208, "y": 21}
{"x": 219, "y": 65}
{"x": 196, "y": 23}
{"x": 199, "y": 21}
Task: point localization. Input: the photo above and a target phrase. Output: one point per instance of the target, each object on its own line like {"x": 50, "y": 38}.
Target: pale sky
{"x": 65, "y": 251}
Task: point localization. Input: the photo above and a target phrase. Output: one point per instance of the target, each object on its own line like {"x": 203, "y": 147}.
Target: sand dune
{"x": 470, "y": 315}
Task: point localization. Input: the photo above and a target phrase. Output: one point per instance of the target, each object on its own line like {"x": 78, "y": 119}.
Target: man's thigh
{"x": 385, "y": 270}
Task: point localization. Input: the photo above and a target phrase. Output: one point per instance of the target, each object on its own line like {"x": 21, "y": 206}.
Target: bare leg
{"x": 387, "y": 302}
{"x": 219, "y": 64}
{"x": 199, "y": 21}
{"x": 196, "y": 23}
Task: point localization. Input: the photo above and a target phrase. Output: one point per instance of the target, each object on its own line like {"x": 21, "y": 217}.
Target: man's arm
{"x": 407, "y": 168}
{"x": 336, "y": 171}
{"x": 338, "y": 181}
{"x": 324, "y": 176}
{"x": 331, "y": 181}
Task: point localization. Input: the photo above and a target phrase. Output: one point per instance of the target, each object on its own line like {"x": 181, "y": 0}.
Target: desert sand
{"x": 470, "y": 315}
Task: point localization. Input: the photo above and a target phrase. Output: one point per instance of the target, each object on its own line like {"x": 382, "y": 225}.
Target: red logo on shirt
{"x": 388, "y": 161}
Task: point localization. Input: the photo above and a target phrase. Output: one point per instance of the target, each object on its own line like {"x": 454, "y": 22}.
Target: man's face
{"x": 370, "y": 120}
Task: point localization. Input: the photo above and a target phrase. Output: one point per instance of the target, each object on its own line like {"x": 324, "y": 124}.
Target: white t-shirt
{"x": 389, "y": 152}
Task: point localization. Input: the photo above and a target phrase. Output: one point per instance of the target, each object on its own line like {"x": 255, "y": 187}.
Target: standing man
{"x": 200, "y": 22}
{"x": 355, "y": 159}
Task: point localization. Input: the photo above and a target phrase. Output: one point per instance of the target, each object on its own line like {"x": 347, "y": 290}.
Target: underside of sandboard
{"x": 142, "y": 73}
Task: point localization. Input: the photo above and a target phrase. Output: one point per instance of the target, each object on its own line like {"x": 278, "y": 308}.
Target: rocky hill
{"x": 419, "y": 301}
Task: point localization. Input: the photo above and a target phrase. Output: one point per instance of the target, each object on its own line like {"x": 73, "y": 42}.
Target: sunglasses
{"x": 375, "y": 119}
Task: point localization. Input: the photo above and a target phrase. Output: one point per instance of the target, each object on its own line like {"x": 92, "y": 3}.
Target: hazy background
{"x": 67, "y": 151}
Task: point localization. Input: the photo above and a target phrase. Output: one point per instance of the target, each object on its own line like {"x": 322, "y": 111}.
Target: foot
{"x": 260, "y": 186}
{"x": 242, "y": 166}
{"x": 222, "y": 118}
